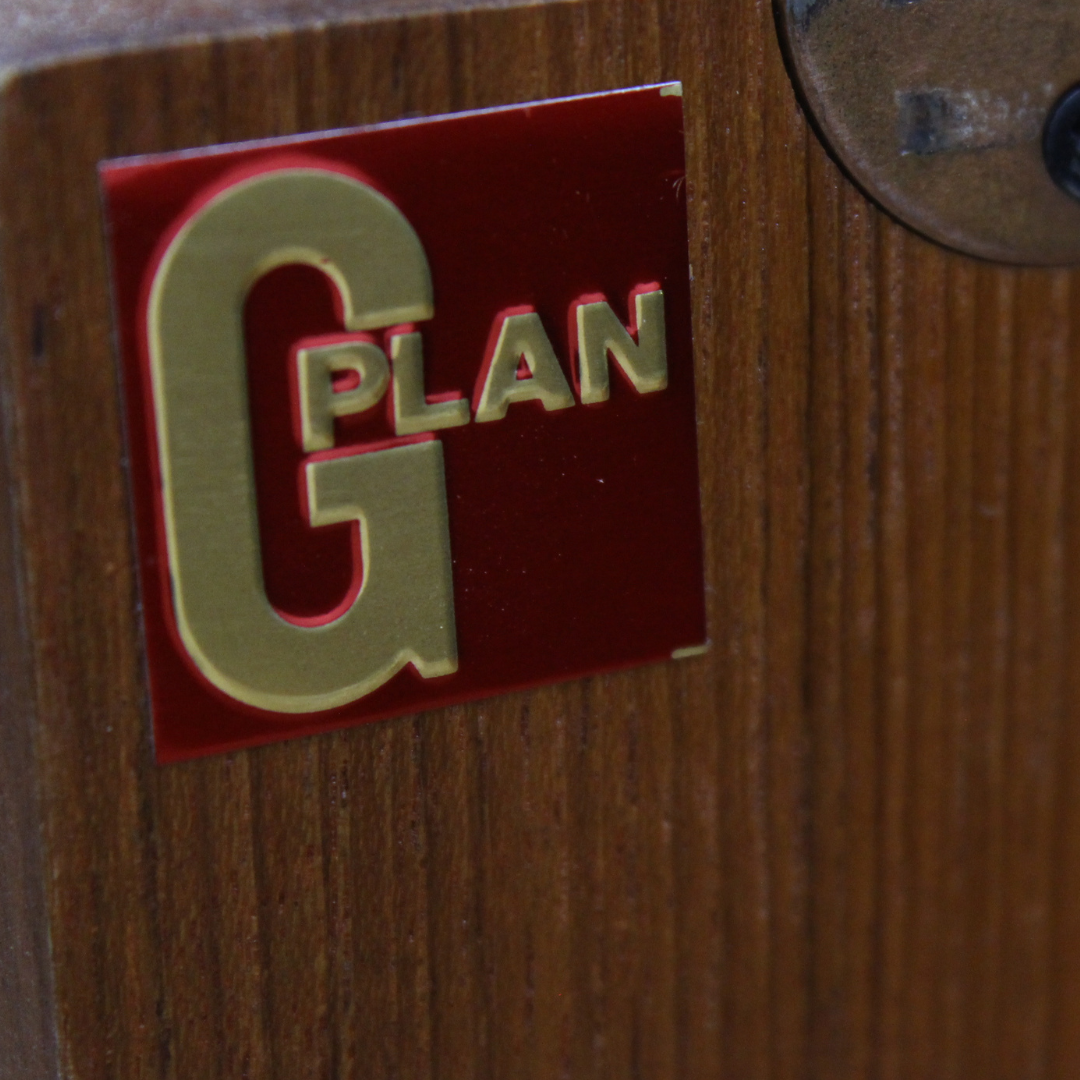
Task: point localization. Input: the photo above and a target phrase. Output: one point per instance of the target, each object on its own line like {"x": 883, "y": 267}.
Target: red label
{"x": 514, "y": 450}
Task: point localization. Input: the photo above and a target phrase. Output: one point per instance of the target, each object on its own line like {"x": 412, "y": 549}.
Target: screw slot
{"x": 1061, "y": 143}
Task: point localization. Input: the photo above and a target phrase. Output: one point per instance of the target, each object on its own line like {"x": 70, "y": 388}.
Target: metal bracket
{"x": 939, "y": 110}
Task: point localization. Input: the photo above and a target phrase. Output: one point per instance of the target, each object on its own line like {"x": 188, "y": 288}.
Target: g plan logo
{"x": 410, "y": 413}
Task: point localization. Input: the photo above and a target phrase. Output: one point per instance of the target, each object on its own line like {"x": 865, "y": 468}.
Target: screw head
{"x": 1061, "y": 142}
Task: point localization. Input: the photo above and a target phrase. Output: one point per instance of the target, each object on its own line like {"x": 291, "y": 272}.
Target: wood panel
{"x": 845, "y": 844}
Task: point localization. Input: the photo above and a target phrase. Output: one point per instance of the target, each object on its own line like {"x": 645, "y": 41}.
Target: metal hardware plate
{"x": 937, "y": 109}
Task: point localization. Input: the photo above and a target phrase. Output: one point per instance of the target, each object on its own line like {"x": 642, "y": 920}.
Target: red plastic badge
{"x": 410, "y": 413}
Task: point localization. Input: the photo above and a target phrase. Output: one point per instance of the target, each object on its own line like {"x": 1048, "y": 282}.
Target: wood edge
{"x": 39, "y": 41}
{"x": 29, "y": 1047}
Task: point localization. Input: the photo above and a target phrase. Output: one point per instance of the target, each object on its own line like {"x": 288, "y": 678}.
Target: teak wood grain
{"x": 846, "y": 844}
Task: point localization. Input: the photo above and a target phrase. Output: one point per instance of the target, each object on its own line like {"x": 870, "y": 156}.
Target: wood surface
{"x": 844, "y": 845}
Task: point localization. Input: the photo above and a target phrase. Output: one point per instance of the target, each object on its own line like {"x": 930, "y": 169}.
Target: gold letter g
{"x": 403, "y": 612}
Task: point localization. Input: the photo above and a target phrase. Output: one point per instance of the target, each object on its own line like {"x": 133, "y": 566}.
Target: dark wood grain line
{"x": 28, "y": 1046}
{"x": 787, "y": 447}
{"x": 892, "y": 691}
{"x": 739, "y": 181}
{"x": 927, "y": 465}
{"x": 1064, "y": 966}
{"x": 991, "y": 623}
{"x": 958, "y": 585}
{"x": 697, "y": 747}
{"x": 824, "y": 666}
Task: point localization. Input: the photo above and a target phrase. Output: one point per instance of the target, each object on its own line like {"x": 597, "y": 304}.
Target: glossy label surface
{"x": 410, "y": 413}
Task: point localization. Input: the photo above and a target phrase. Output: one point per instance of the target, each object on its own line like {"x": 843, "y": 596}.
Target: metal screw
{"x": 1061, "y": 143}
